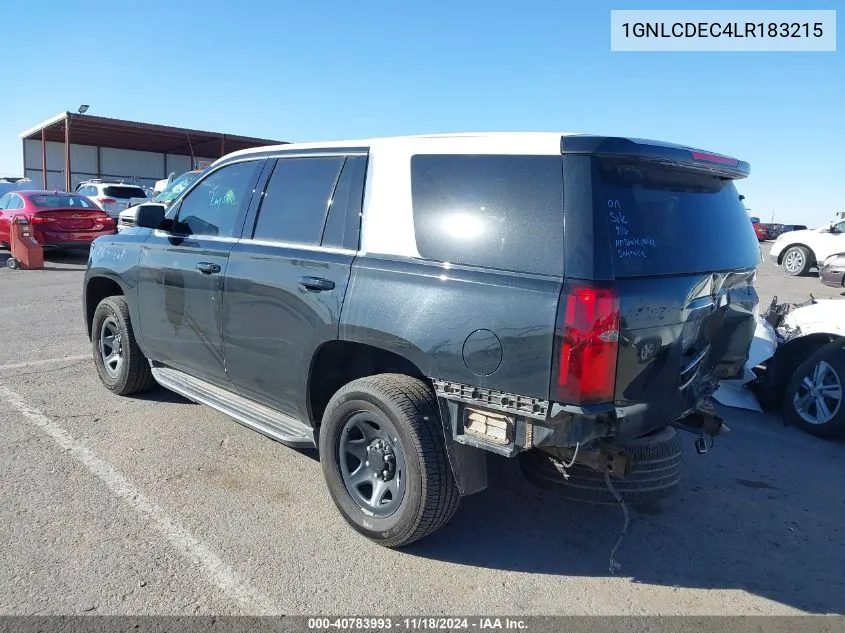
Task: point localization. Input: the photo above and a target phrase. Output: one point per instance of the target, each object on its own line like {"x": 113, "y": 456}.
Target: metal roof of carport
{"x": 86, "y": 129}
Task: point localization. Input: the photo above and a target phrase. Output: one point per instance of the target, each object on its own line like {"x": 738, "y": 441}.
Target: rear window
{"x": 124, "y": 193}
{"x": 665, "y": 222}
{"x": 60, "y": 201}
{"x": 503, "y": 212}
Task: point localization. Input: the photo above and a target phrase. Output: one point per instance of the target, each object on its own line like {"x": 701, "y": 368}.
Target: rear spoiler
{"x": 655, "y": 151}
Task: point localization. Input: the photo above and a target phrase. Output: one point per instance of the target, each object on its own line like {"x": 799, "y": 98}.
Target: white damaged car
{"x": 797, "y": 364}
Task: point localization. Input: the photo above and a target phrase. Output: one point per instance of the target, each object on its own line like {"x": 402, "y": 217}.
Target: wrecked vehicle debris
{"x": 797, "y": 365}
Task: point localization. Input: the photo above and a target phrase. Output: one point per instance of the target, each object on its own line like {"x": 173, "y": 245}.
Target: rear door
{"x": 287, "y": 278}
{"x": 684, "y": 258}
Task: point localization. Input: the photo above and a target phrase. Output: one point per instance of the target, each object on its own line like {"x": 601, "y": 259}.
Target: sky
{"x": 298, "y": 71}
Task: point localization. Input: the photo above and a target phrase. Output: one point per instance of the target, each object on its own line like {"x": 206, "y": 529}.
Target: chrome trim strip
{"x": 302, "y": 247}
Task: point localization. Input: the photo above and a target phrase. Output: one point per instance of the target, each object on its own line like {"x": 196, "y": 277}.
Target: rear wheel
{"x": 13, "y": 263}
{"x": 120, "y": 363}
{"x": 655, "y": 472}
{"x": 814, "y": 396}
{"x": 797, "y": 261}
{"x": 384, "y": 460}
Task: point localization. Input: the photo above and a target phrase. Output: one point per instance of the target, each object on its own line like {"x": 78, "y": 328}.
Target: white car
{"x": 112, "y": 197}
{"x": 799, "y": 251}
{"x": 796, "y": 364}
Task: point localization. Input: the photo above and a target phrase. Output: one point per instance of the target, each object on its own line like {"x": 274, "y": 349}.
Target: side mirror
{"x": 149, "y": 216}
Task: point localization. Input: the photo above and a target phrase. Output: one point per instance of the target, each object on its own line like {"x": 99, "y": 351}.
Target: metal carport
{"x": 71, "y": 147}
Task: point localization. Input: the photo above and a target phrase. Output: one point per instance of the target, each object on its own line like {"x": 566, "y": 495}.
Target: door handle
{"x": 207, "y": 268}
{"x": 316, "y": 284}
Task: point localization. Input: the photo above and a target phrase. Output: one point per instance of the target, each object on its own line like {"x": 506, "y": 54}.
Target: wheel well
{"x": 786, "y": 248}
{"x": 98, "y": 289}
{"x": 787, "y": 358}
{"x": 340, "y": 362}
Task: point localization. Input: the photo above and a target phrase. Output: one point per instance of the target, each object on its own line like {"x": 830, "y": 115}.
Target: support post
{"x": 67, "y": 151}
{"x": 43, "y": 159}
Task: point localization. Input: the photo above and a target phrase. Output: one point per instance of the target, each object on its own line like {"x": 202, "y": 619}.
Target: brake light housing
{"x": 707, "y": 157}
{"x": 587, "y": 344}
{"x": 106, "y": 200}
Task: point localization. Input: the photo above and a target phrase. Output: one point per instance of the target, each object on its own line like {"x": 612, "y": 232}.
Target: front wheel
{"x": 120, "y": 363}
{"x": 797, "y": 261}
{"x": 384, "y": 459}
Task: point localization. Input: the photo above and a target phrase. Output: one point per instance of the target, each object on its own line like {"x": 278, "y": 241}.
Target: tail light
{"x": 587, "y": 345}
{"x": 105, "y": 223}
{"x": 106, "y": 200}
{"x": 41, "y": 219}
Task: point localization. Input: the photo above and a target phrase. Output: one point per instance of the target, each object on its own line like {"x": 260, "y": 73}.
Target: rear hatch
{"x": 116, "y": 198}
{"x": 676, "y": 259}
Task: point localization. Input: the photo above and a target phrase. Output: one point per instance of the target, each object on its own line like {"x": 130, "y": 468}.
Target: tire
{"x": 405, "y": 408}
{"x": 132, "y": 373}
{"x": 655, "y": 473}
{"x": 779, "y": 369}
{"x": 13, "y": 263}
{"x": 797, "y": 261}
{"x": 825, "y": 368}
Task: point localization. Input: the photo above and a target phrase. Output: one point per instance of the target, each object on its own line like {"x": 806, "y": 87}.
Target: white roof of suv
{"x": 501, "y": 142}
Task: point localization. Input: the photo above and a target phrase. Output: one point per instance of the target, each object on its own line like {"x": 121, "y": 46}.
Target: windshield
{"x": 665, "y": 221}
{"x": 61, "y": 201}
{"x": 171, "y": 191}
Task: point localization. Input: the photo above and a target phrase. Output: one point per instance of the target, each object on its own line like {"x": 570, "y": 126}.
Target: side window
{"x": 343, "y": 223}
{"x": 503, "y": 212}
{"x": 212, "y": 208}
{"x": 15, "y": 202}
{"x": 296, "y": 199}
{"x": 4, "y": 201}
{"x": 840, "y": 227}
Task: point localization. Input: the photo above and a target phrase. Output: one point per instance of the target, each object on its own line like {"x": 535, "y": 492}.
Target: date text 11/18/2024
{"x": 417, "y": 624}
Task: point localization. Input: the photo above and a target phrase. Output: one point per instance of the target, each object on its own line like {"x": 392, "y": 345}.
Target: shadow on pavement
{"x": 160, "y": 394}
{"x": 744, "y": 519}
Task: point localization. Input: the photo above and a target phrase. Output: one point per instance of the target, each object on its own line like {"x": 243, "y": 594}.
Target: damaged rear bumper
{"x": 507, "y": 424}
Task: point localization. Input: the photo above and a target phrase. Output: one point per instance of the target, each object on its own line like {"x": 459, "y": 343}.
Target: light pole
{"x": 82, "y": 109}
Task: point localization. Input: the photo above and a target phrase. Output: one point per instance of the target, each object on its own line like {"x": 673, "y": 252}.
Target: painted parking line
{"x": 214, "y": 569}
{"x": 45, "y": 361}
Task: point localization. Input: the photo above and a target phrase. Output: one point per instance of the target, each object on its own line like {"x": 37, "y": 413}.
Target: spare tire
{"x": 655, "y": 472}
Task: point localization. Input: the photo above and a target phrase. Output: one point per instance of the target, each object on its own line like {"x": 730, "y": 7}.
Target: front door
{"x": 181, "y": 270}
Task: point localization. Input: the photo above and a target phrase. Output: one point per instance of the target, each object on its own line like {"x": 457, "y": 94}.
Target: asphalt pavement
{"x": 155, "y": 505}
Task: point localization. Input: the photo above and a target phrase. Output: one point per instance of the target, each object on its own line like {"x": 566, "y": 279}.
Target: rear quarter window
{"x": 664, "y": 222}
{"x": 502, "y": 212}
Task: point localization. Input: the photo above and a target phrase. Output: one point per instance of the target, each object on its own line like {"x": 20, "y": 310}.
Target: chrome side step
{"x": 271, "y": 423}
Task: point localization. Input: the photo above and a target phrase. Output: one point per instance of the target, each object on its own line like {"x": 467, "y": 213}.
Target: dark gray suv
{"x": 411, "y": 305}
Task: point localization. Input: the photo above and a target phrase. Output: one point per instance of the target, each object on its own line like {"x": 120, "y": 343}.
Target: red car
{"x": 59, "y": 219}
{"x": 764, "y": 231}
